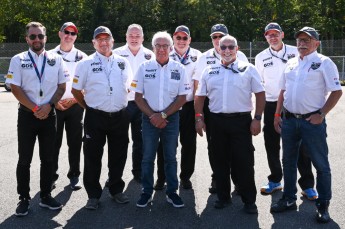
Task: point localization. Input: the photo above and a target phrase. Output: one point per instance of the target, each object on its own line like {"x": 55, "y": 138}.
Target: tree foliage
{"x": 245, "y": 19}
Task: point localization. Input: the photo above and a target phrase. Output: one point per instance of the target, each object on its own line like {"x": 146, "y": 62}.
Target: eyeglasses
{"x": 100, "y": 40}
{"x": 68, "y": 32}
{"x": 305, "y": 40}
{"x": 33, "y": 36}
{"x": 215, "y": 37}
{"x": 181, "y": 38}
{"x": 274, "y": 35}
{"x": 230, "y": 47}
{"x": 165, "y": 47}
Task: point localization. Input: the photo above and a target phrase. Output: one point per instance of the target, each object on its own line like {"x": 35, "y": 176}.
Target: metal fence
{"x": 335, "y": 49}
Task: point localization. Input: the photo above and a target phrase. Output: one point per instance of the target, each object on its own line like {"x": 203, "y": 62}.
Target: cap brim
{"x": 181, "y": 32}
{"x": 309, "y": 34}
{"x": 73, "y": 27}
{"x": 272, "y": 29}
{"x": 218, "y": 32}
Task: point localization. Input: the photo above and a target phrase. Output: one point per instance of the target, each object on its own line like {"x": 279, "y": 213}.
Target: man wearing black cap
{"x": 304, "y": 100}
{"x": 68, "y": 112}
{"x": 103, "y": 78}
{"x": 211, "y": 58}
{"x": 183, "y": 53}
{"x": 271, "y": 63}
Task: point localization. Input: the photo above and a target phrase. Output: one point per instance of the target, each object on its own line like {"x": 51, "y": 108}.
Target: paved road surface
{"x": 199, "y": 211}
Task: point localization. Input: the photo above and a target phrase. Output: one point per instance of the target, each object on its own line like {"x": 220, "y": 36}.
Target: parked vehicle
{"x": 2, "y": 82}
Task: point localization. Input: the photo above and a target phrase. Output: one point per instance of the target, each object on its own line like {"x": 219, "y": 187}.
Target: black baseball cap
{"x": 311, "y": 32}
{"x": 100, "y": 30}
{"x": 273, "y": 26}
{"x": 219, "y": 28}
{"x": 183, "y": 29}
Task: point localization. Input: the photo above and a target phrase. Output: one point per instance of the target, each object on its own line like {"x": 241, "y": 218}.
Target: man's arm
{"x": 255, "y": 126}
{"x": 198, "y": 107}
{"x": 330, "y": 103}
{"x": 18, "y": 92}
{"x": 279, "y": 109}
{"x": 79, "y": 96}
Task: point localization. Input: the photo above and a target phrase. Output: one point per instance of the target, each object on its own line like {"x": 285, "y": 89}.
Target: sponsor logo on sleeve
{"x": 75, "y": 79}
{"x": 133, "y": 85}
{"x": 9, "y": 76}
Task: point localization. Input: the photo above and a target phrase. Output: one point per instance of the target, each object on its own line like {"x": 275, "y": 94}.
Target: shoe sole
{"x": 294, "y": 207}
{"x": 75, "y": 188}
{"x": 309, "y": 198}
{"x": 91, "y": 208}
{"x": 51, "y": 208}
{"x": 171, "y": 202}
{"x": 264, "y": 192}
{"x": 144, "y": 205}
{"x": 121, "y": 201}
{"x": 22, "y": 214}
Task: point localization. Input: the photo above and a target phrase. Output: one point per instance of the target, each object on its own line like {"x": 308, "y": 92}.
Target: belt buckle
{"x": 298, "y": 115}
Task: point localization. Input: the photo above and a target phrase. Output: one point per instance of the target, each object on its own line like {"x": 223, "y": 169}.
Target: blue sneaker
{"x": 310, "y": 194}
{"x": 270, "y": 188}
{"x": 175, "y": 200}
{"x": 144, "y": 200}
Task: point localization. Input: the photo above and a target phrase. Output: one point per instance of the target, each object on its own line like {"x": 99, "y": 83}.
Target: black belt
{"x": 104, "y": 113}
{"x": 271, "y": 102}
{"x": 232, "y": 115}
{"x": 288, "y": 114}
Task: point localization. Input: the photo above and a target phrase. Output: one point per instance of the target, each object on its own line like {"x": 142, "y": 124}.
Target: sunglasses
{"x": 181, "y": 38}
{"x": 215, "y": 37}
{"x": 33, "y": 36}
{"x": 230, "y": 47}
{"x": 68, "y": 32}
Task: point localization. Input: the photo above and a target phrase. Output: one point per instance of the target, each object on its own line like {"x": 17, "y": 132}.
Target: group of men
{"x": 175, "y": 90}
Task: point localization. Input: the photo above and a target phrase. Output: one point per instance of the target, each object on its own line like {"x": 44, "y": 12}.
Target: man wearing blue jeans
{"x": 305, "y": 85}
{"x": 160, "y": 91}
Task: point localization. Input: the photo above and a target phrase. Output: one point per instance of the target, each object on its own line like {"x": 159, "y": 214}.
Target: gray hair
{"x": 162, "y": 35}
{"x": 137, "y": 26}
{"x": 227, "y": 38}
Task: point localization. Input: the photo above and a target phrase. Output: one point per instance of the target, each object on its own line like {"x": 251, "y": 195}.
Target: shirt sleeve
{"x": 202, "y": 89}
{"x": 184, "y": 87}
{"x": 129, "y": 73}
{"x": 80, "y": 75}
{"x": 63, "y": 73}
{"x": 331, "y": 76}
{"x": 257, "y": 84}
{"x": 200, "y": 66}
{"x": 14, "y": 72}
{"x": 137, "y": 84}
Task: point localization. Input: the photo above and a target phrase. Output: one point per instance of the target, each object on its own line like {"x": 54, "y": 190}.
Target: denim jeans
{"x": 169, "y": 137}
{"x": 314, "y": 139}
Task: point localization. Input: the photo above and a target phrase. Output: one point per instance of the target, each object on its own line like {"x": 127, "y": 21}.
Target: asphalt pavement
{"x": 198, "y": 211}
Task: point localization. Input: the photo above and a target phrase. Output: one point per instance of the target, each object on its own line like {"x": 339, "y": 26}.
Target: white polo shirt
{"x": 271, "y": 68}
{"x": 189, "y": 63}
{"x": 212, "y": 58}
{"x": 144, "y": 54}
{"x": 230, "y": 92}
{"x": 71, "y": 59}
{"x": 307, "y": 83}
{"x": 104, "y": 81}
{"x": 22, "y": 73}
{"x": 160, "y": 85}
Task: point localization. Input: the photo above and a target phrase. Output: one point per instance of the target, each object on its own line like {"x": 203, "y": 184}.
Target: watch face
{"x": 257, "y": 117}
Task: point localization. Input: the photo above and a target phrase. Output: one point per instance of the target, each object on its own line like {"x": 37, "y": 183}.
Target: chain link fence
{"x": 335, "y": 49}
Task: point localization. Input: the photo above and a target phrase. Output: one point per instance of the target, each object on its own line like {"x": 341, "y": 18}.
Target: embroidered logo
{"x": 51, "y": 62}
{"x": 193, "y": 58}
{"x": 121, "y": 65}
{"x": 314, "y": 66}
{"x": 147, "y": 56}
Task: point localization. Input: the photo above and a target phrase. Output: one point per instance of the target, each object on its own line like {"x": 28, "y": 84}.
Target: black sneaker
{"x": 186, "y": 184}
{"x": 75, "y": 183}
{"x": 159, "y": 185}
{"x": 23, "y": 207}
{"x": 212, "y": 189}
{"x": 144, "y": 200}
{"x": 284, "y": 204}
{"x": 220, "y": 204}
{"x": 250, "y": 208}
{"x": 322, "y": 212}
{"x": 50, "y": 202}
{"x": 175, "y": 200}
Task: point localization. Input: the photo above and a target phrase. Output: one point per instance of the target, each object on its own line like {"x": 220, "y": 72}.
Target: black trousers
{"x": 29, "y": 127}
{"x": 135, "y": 119}
{"x": 99, "y": 127}
{"x": 72, "y": 120}
{"x": 232, "y": 145}
{"x": 272, "y": 145}
{"x": 188, "y": 144}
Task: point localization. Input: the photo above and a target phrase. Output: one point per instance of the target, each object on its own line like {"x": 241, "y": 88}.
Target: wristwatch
{"x": 323, "y": 115}
{"x": 257, "y": 117}
{"x": 164, "y": 115}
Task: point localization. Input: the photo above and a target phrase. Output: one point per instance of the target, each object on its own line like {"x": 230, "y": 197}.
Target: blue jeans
{"x": 169, "y": 137}
{"x": 314, "y": 139}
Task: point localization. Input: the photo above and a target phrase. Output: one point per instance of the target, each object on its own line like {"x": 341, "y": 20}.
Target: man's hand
{"x": 315, "y": 119}
{"x": 277, "y": 124}
{"x": 157, "y": 121}
{"x": 200, "y": 126}
{"x": 255, "y": 127}
{"x": 43, "y": 111}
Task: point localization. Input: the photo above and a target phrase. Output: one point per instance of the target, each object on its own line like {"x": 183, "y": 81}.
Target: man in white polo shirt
{"x": 271, "y": 64}
{"x": 69, "y": 113}
{"x": 135, "y": 53}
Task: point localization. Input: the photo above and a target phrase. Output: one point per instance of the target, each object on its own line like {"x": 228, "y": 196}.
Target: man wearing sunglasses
{"x": 186, "y": 55}
{"x": 68, "y": 112}
{"x": 100, "y": 86}
{"x": 135, "y": 53}
{"x": 271, "y": 63}
{"x": 310, "y": 88}
{"x": 229, "y": 86}
{"x": 38, "y": 81}
{"x": 211, "y": 58}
